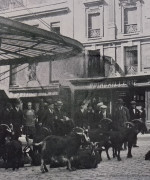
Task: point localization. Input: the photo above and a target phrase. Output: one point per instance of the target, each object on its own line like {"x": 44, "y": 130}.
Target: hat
{"x": 132, "y": 102}
{"x": 104, "y": 107}
{"x": 120, "y": 101}
{"x": 59, "y": 103}
{"x": 100, "y": 104}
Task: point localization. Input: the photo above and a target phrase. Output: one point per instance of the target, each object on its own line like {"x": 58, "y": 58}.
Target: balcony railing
{"x": 131, "y": 70}
{"x": 93, "y": 33}
{"x": 130, "y": 28}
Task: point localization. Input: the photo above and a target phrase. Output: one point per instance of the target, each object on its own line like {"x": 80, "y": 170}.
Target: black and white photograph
{"x": 74, "y": 89}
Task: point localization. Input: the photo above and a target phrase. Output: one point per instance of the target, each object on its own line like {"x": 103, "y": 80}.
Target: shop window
{"x": 55, "y": 27}
{"x": 95, "y": 64}
{"x": 130, "y": 20}
{"x": 32, "y": 72}
{"x": 131, "y": 60}
{"x": 94, "y": 25}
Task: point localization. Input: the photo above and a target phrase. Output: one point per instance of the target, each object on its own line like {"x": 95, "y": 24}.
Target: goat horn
{"x": 106, "y": 119}
{"x": 130, "y": 123}
{"x": 137, "y": 120}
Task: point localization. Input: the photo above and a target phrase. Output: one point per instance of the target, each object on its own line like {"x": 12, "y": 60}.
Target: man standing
{"x": 104, "y": 114}
{"x": 121, "y": 115}
{"x": 6, "y": 115}
{"x": 134, "y": 114}
{"x": 80, "y": 116}
{"x": 48, "y": 120}
{"x": 98, "y": 114}
{"x": 17, "y": 120}
{"x": 29, "y": 122}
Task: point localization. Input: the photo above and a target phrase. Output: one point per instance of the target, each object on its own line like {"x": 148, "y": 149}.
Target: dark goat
{"x": 125, "y": 134}
{"x": 101, "y": 135}
{"x": 14, "y": 154}
{"x": 62, "y": 146}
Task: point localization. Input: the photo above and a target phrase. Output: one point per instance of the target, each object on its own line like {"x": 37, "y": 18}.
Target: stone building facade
{"x": 116, "y": 37}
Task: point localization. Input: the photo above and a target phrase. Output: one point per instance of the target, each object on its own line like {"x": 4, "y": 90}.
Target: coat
{"x": 80, "y": 118}
{"x": 134, "y": 115}
{"x": 48, "y": 120}
{"x": 121, "y": 116}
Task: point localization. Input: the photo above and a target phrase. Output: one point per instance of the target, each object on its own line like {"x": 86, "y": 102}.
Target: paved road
{"x": 127, "y": 169}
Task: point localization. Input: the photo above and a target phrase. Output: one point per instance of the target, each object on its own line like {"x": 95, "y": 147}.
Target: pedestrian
{"x": 121, "y": 115}
{"x": 90, "y": 117}
{"x": 30, "y": 120}
{"x": 134, "y": 114}
{"x": 48, "y": 120}
{"x": 98, "y": 115}
{"x": 17, "y": 120}
{"x": 6, "y": 115}
{"x": 104, "y": 113}
{"x": 80, "y": 116}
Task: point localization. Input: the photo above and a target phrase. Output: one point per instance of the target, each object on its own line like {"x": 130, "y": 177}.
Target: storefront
{"x": 108, "y": 90}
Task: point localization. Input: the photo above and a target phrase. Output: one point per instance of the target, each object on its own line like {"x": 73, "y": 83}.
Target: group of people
{"x": 53, "y": 117}
{"x": 90, "y": 116}
{"x": 50, "y": 115}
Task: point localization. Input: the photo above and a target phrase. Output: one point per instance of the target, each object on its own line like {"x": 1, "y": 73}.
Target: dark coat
{"x": 48, "y": 120}
{"x": 6, "y": 117}
{"x": 135, "y": 115}
{"x": 121, "y": 116}
{"x": 17, "y": 121}
{"x": 80, "y": 118}
{"x": 90, "y": 119}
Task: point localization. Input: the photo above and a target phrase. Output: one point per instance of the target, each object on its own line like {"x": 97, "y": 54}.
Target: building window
{"x": 130, "y": 20}
{"x": 131, "y": 60}
{"x": 32, "y": 72}
{"x": 94, "y": 25}
{"x": 95, "y": 64}
{"x": 55, "y": 27}
{"x": 17, "y": 3}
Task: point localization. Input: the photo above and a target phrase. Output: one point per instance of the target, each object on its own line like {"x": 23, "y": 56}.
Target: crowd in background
{"x": 52, "y": 116}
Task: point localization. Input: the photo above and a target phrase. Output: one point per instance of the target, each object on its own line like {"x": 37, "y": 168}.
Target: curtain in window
{"x": 131, "y": 60}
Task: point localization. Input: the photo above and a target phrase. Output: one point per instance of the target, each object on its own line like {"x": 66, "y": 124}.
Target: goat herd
{"x": 81, "y": 148}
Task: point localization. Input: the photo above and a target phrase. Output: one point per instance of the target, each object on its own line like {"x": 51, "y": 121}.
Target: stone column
{"x": 13, "y": 75}
{"x": 112, "y": 25}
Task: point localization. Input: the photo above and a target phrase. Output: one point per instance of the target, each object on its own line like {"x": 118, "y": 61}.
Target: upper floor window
{"x": 55, "y": 27}
{"x": 130, "y": 20}
{"x": 131, "y": 60}
{"x": 94, "y": 25}
{"x": 95, "y": 64}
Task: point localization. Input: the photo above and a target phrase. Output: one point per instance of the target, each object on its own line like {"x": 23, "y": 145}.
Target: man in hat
{"x": 104, "y": 114}
{"x": 80, "y": 116}
{"x": 90, "y": 117}
{"x": 49, "y": 115}
{"x": 121, "y": 115}
{"x": 29, "y": 122}
{"x": 6, "y": 115}
{"x": 17, "y": 120}
{"x": 98, "y": 114}
{"x": 134, "y": 114}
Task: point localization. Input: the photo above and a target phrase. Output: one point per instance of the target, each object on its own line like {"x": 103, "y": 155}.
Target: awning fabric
{"x": 21, "y": 43}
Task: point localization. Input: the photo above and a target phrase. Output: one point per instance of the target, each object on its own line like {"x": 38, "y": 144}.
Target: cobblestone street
{"x": 134, "y": 169}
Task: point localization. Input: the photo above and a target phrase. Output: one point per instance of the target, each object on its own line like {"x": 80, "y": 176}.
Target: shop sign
{"x": 114, "y": 84}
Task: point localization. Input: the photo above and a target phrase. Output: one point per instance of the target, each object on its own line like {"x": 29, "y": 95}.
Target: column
{"x": 112, "y": 25}
{"x": 13, "y": 75}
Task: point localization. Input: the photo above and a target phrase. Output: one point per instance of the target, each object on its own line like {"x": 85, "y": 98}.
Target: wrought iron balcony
{"x": 93, "y": 33}
{"x": 130, "y": 28}
{"x": 132, "y": 69}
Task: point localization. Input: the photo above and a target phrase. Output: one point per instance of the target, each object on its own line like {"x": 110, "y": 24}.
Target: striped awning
{"x": 21, "y": 43}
